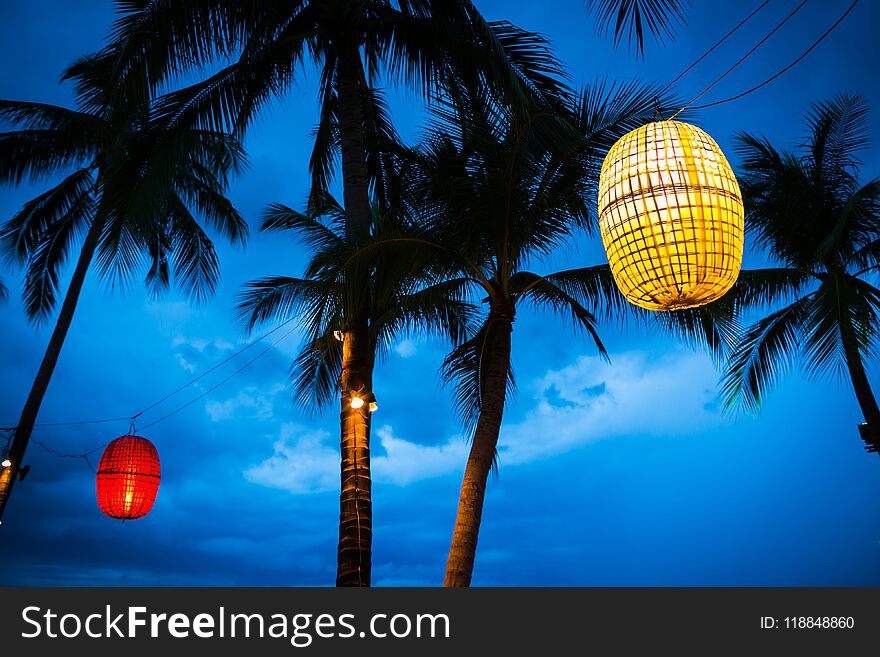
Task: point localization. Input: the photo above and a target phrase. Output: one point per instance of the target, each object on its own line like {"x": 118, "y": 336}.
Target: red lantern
{"x": 128, "y": 478}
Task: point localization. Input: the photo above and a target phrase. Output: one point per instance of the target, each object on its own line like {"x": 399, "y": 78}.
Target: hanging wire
{"x": 67, "y": 456}
{"x": 131, "y": 418}
{"x": 743, "y": 58}
{"x": 712, "y": 49}
{"x": 214, "y": 387}
{"x": 206, "y": 372}
{"x": 787, "y": 68}
{"x": 85, "y": 455}
{"x": 67, "y": 424}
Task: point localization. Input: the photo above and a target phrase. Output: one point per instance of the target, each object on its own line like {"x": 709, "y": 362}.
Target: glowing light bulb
{"x": 374, "y": 407}
{"x": 6, "y": 463}
{"x": 356, "y": 402}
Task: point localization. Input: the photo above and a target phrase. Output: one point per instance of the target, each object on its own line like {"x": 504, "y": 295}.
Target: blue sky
{"x": 625, "y": 474}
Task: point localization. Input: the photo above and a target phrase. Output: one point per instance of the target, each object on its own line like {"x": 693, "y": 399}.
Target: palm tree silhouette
{"x": 401, "y": 298}
{"x": 129, "y": 195}
{"x": 498, "y": 191}
{"x": 820, "y": 226}
{"x": 437, "y": 47}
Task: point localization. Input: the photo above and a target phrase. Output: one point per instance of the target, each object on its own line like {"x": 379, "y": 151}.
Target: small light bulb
{"x": 357, "y": 402}
{"x": 338, "y": 335}
{"x": 374, "y": 407}
{"x": 6, "y": 463}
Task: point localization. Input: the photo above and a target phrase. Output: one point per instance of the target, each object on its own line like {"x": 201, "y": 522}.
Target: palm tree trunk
{"x": 355, "y": 504}
{"x": 460, "y": 564}
{"x": 355, "y": 178}
{"x": 47, "y": 366}
{"x": 864, "y": 394}
{"x": 356, "y": 511}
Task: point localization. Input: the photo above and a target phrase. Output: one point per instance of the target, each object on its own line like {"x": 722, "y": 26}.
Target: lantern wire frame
{"x": 128, "y": 478}
{"x": 670, "y": 216}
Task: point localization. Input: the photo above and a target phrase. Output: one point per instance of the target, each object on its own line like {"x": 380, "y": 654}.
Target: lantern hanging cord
{"x": 743, "y": 58}
{"x": 787, "y": 68}
{"x": 713, "y": 48}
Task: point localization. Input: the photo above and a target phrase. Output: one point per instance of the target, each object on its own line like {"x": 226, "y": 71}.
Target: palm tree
{"x": 820, "y": 226}
{"x": 338, "y": 356}
{"x": 499, "y": 190}
{"x": 128, "y": 196}
{"x": 438, "y": 47}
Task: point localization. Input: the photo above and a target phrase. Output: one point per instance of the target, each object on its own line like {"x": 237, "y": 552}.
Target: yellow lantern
{"x": 671, "y": 217}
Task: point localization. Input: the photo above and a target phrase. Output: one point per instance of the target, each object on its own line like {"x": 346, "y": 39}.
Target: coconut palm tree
{"x": 129, "y": 197}
{"x": 438, "y": 47}
{"x": 820, "y": 226}
{"x": 498, "y": 190}
{"x": 343, "y": 344}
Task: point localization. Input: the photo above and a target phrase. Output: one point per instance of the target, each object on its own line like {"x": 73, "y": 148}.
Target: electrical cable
{"x": 787, "y": 68}
{"x": 743, "y": 58}
{"x": 213, "y": 388}
{"x": 85, "y": 455}
{"x": 171, "y": 394}
{"x": 218, "y": 365}
{"x": 712, "y": 49}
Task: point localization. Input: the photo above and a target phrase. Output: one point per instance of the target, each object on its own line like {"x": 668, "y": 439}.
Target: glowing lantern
{"x": 671, "y": 217}
{"x": 128, "y": 478}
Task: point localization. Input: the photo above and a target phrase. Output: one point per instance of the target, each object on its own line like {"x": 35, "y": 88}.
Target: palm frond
{"x": 632, "y": 20}
{"x": 543, "y": 292}
{"x": 281, "y": 297}
{"x": 194, "y": 261}
{"x": 21, "y": 235}
{"x": 41, "y": 116}
{"x": 765, "y": 351}
{"x": 439, "y": 309}
{"x": 40, "y": 154}
{"x": 464, "y": 370}
{"x": 308, "y": 228}
{"x": 837, "y": 133}
{"x": 315, "y": 372}
{"x": 48, "y": 254}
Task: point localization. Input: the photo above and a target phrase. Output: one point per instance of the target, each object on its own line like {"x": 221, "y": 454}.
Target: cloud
{"x": 303, "y": 462}
{"x": 406, "y": 349}
{"x": 260, "y": 403}
{"x": 405, "y": 462}
{"x": 185, "y": 364}
{"x": 638, "y": 394}
{"x": 588, "y": 400}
